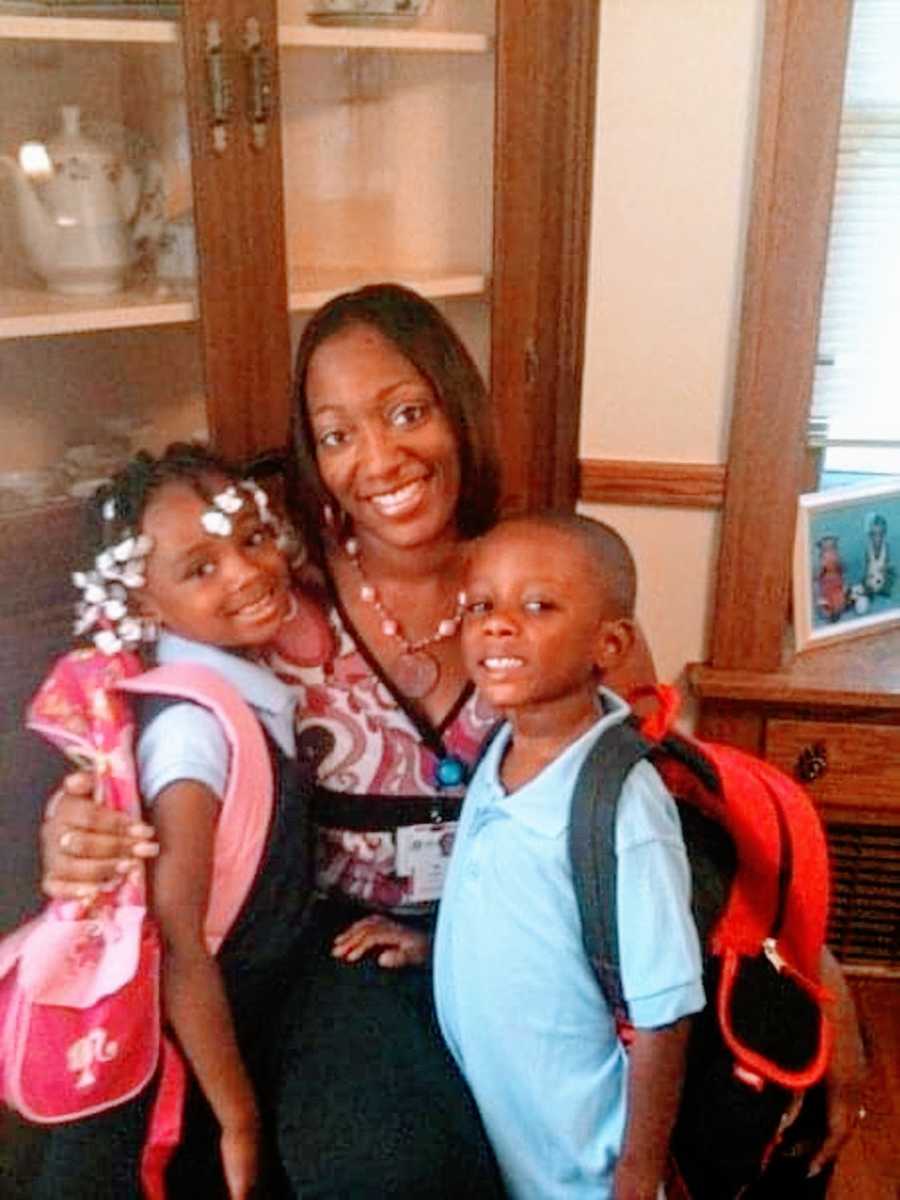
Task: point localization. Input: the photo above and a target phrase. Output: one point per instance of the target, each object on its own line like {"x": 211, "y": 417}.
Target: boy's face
{"x": 225, "y": 591}
{"x": 535, "y": 627}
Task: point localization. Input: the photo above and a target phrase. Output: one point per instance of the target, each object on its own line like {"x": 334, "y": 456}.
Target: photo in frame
{"x": 846, "y": 559}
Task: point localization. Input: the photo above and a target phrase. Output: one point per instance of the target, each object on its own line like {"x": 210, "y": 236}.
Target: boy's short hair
{"x": 604, "y": 545}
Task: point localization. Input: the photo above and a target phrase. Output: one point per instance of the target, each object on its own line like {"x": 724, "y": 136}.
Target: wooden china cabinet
{"x": 451, "y": 152}
{"x": 831, "y": 715}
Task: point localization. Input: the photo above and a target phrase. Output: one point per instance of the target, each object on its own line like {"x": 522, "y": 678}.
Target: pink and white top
{"x": 375, "y": 756}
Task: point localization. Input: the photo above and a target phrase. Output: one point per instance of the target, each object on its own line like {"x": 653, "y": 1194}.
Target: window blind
{"x": 856, "y": 388}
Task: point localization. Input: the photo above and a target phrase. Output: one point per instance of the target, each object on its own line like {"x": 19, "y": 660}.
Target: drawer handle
{"x": 812, "y": 762}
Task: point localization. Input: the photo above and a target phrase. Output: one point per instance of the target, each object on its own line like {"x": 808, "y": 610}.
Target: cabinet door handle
{"x": 812, "y": 762}
{"x": 259, "y": 83}
{"x": 218, "y": 86}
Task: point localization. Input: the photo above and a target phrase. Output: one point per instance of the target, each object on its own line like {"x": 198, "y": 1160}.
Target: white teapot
{"x": 77, "y": 201}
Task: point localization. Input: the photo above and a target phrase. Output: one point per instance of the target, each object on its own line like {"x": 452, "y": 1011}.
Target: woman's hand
{"x": 399, "y": 946}
{"x": 239, "y": 1147}
{"x": 85, "y": 846}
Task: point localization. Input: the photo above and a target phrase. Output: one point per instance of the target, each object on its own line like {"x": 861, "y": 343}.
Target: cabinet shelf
{"x": 310, "y": 287}
{"x": 89, "y": 29}
{"x": 372, "y": 38}
{"x": 26, "y": 314}
{"x": 290, "y": 36}
{"x": 29, "y": 314}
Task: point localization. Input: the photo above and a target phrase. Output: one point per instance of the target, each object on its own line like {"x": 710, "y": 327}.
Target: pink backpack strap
{"x": 249, "y": 797}
{"x": 240, "y": 841}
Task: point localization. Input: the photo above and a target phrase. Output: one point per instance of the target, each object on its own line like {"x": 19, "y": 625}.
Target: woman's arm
{"x": 655, "y": 1074}
{"x": 185, "y": 814}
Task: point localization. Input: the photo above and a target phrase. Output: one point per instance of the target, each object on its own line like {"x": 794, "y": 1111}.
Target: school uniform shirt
{"x": 518, "y": 1003}
{"x": 185, "y": 740}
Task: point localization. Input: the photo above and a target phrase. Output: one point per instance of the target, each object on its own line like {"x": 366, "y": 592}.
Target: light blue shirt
{"x": 185, "y": 740}
{"x": 518, "y": 1003}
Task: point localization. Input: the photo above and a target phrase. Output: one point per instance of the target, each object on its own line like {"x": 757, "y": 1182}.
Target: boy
{"x": 549, "y": 605}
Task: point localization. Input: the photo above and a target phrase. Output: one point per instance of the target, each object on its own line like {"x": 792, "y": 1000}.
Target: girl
{"x": 191, "y": 563}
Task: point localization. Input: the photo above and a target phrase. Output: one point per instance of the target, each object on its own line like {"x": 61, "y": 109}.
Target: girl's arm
{"x": 185, "y": 815}
{"x": 655, "y": 1075}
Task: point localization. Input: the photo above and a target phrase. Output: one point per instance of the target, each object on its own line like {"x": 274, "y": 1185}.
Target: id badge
{"x": 423, "y": 852}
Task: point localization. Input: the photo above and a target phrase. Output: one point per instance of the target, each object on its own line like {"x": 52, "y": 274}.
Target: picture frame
{"x": 846, "y": 577}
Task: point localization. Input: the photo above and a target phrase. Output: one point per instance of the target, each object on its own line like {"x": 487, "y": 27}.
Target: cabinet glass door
{"x": 98, "y": 349}
{"x": 387, "y": 131}
{"x": 99, "y": 343}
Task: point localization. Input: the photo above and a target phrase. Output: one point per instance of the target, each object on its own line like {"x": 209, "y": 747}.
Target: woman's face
{"x": 384, "y": 446}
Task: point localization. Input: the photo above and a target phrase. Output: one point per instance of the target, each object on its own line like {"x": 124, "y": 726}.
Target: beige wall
{"x": 676, "y": 109}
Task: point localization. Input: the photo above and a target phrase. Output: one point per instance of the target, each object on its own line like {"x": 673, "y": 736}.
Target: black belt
{"x": 339, "y": 810}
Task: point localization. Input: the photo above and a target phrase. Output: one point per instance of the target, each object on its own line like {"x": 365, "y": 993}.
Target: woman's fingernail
{"x": 124, "y": 865}
{"x": 84, "y": 890}
{"x": 141, "y": 831}
{"x": 146, "y": 849}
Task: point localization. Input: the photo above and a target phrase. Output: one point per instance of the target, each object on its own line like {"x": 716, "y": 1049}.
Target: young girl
{"x": 191, "y": 564}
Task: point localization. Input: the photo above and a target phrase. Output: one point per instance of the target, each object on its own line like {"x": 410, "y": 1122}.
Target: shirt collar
{"x": 543, "y": 804}
{"x": 258, "y": 685}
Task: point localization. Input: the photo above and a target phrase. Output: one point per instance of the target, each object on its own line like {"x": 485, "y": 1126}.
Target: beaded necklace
{"x": 415, "y": 671}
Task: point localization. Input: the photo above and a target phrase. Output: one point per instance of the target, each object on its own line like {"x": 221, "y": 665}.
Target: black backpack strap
{"x": 592, "y": 851}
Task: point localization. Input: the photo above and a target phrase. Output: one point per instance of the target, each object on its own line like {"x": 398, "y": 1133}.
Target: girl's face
{"x": 384, "y": 446}
{"x": 225, "y": 591}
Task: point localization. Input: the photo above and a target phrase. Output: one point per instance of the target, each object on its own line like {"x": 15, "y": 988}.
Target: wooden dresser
{"x": 831, "y": 718}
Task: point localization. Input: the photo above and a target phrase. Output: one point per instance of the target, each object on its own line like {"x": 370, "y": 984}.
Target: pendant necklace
{"x": 415, "y": 671}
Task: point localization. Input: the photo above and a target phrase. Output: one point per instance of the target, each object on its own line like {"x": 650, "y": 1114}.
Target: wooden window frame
{"x": 801, "y": 90}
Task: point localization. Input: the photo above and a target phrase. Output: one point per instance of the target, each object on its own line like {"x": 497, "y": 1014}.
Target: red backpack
{"x": 760, "y": 897}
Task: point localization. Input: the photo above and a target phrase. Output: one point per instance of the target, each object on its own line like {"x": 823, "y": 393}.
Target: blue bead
{"x": 450, "y": 772}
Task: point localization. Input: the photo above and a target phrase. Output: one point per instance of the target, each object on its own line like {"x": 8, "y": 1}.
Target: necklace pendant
{"x": 450, "y": 772}
{"x": 416, "y": 673}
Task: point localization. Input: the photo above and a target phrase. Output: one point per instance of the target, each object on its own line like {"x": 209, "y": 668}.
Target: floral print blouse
{"x": 374, "y": 754}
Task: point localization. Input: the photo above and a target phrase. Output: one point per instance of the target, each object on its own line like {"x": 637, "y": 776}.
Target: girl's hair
{"x": 423, "y": 336}
{"x": 118, "y": 506}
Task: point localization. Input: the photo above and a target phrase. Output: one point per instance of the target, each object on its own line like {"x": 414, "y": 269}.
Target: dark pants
{"x": 370, "y": 1104}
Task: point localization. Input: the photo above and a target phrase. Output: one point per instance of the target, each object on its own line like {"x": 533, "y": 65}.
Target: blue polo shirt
{"x": 519, "y": 1005}
{"x": 185, "y": 740}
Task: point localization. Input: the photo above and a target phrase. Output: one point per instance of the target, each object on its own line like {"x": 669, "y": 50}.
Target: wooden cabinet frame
{"x": 546, "y": 62}
{"x": 800, "y": 105}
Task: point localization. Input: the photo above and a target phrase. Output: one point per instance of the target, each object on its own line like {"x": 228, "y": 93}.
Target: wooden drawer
{"x": 861, "y": 776}
{"x": 858, "y": 793}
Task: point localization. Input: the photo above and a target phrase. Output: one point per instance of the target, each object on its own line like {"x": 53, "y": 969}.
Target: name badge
{"x": 423, "y": 852}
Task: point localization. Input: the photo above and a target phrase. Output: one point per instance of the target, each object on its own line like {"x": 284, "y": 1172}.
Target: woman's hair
{"x": 119, "y": 505}
{"x": 423, "y": 336}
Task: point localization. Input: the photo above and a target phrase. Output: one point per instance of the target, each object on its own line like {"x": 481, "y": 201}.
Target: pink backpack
{"x": 80, "y": 1020}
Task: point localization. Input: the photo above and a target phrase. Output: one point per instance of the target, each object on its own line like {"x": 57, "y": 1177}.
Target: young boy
{"x": 549, "y": 606}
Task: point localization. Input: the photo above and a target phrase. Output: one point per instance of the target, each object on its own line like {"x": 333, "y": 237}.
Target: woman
{"x": 395, "y": 471}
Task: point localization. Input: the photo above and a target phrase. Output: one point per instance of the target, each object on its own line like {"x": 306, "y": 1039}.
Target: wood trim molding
{"x": 665, "y": 484}
{"x": 799, "y": 116}
{"x": 546, "y": 64}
